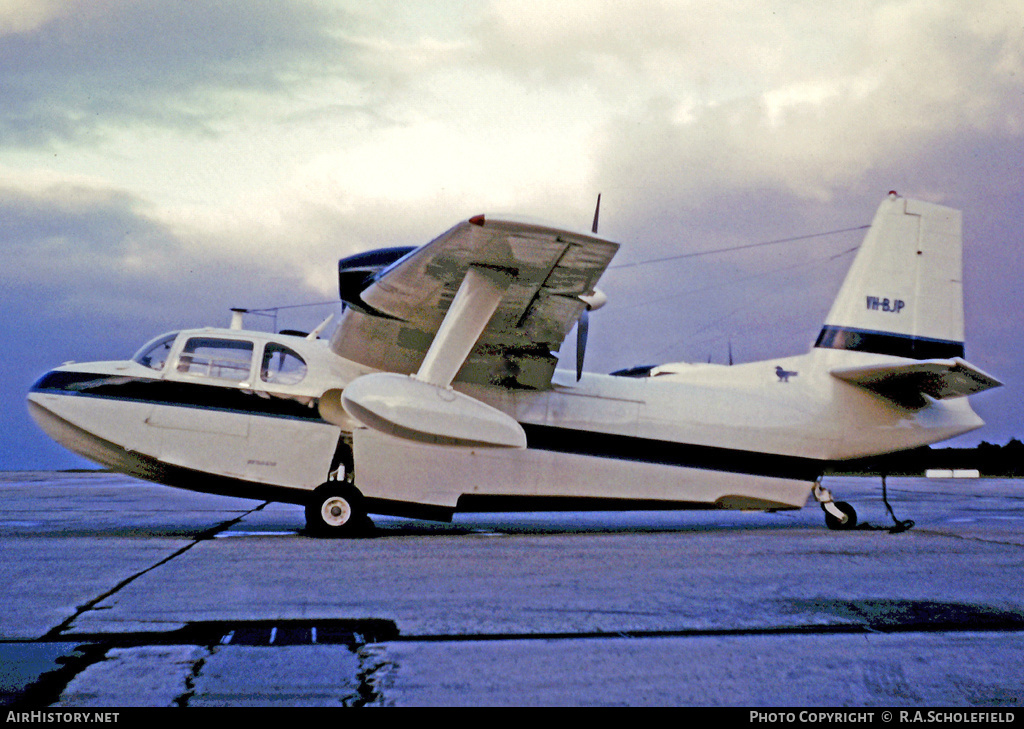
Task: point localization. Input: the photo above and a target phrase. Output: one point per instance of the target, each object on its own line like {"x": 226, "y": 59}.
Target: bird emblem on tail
{"x": 784, "y": 375}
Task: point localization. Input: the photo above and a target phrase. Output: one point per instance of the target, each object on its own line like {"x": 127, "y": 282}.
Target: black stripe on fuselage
{"x": 178, "y": 394}
{"x": 647, "y": 450}
{"x": 898, "y": 345}
{"x": 539, "y": 437}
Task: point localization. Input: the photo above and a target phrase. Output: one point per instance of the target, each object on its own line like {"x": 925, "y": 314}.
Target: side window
{"x": 223, "y": 359}
{"x": 281, "y": 366}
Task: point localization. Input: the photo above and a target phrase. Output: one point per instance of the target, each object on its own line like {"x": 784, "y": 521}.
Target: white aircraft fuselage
{"x": 265, "y": 416}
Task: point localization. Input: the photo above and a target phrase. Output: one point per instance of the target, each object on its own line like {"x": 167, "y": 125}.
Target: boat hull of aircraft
{"x": 717, "y": 437}
{"x": 748, "y": 441}
{"x": 424, "y": 403}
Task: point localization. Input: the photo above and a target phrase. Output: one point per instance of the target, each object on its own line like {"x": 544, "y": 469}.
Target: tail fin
{"x": 903, "y": 295}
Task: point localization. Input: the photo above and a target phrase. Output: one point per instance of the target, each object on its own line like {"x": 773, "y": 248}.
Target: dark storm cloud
{"x": 104, "y": 63}
{"x": 90, "y": 273}
{"x": 771, "y": 302}
{"x": 705, "y": 125}
{"x": 71, "y": 245}
{"x": 77, "y": 250}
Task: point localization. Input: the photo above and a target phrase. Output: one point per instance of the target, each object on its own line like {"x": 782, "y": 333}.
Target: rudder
{"x": 903, "y": 294}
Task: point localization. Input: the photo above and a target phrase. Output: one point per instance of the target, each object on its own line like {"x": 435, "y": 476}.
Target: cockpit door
{"x": 203, "y": 411}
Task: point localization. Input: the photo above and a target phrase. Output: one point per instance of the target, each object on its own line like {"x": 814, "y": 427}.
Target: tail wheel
{"x": 835, "y": 523}
{"x": 336, "y": 510}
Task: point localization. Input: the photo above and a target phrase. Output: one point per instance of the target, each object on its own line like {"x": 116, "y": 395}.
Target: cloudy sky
{"x": 161, "y": 162}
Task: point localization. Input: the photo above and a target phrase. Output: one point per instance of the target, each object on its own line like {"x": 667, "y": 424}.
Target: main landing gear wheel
{"x": 336, "y": 509}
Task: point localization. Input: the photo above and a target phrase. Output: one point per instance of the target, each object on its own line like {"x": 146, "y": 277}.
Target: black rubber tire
{"x": 336, "y": 509}
{"x": 835, "y": 524}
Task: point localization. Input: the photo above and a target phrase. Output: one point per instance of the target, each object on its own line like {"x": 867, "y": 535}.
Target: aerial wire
{"x": 743, "y": 304}
{"x": 695, "y": 254}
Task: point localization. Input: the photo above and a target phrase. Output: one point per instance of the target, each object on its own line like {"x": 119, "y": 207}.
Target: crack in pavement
{"x": 56, "y": 632}
{"x": 934, "y": 532}
{"x": 47, "y": 688}
{"x": 376, "y": 672}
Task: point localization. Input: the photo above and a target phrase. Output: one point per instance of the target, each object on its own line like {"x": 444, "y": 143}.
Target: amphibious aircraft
{"x": 438, "y": 391}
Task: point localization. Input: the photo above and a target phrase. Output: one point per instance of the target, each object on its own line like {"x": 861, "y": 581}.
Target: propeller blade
{"x": 582, "y": 329}
{"x": 583, "y": 325}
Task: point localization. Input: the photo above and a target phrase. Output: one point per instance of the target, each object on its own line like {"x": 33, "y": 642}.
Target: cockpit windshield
{"x": 155, "y": 352}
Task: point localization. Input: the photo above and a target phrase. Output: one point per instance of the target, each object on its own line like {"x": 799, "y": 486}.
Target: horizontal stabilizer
{"x": 907, "y": 383}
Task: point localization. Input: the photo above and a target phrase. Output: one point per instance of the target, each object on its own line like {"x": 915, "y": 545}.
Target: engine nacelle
{"x": 356, "y": 273}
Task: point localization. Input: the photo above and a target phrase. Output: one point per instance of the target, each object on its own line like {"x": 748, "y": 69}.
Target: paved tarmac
{"x": 117, "y": 593}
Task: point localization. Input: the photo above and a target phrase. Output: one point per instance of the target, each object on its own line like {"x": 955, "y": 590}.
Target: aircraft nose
{"x": 42, "y": 399}
{"x": 42, "y": 383}
{"x": 54, "y": 383}
{"x": 41, "y": 410}
{"x": 36, "y": 397}
{"x": 54, "y": 400}
{"x": 57, "y": 405}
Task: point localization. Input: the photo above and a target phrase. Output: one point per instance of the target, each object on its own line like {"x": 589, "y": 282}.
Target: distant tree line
{"x": 998, "y": 461}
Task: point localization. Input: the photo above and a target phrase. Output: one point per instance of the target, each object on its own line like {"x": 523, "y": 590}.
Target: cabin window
{"x": 281, "y": 366}
{"x": 222, "y": 359}
{"x": 154, "y": 354}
